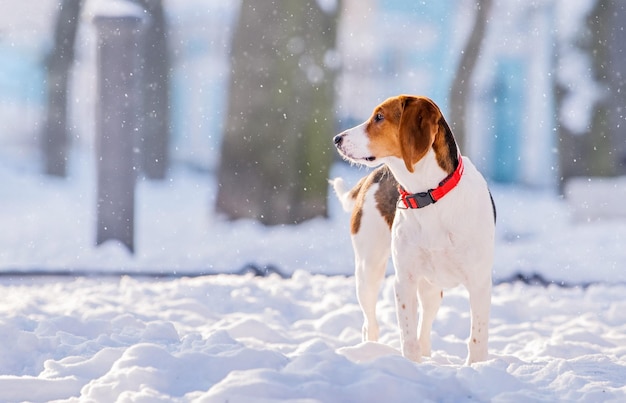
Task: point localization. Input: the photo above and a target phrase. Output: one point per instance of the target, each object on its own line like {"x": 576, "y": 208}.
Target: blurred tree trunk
{"x": 55, "y": 137}
{"x": 569, "y": 144}
{"x": 155, "y": 126}
{"x": 601, "y": 159}
{"x": 600, "y": 150}
{"x": 276, "y": 151}
{"x": 461, "y": 85}
{"x": 617, "y": 77}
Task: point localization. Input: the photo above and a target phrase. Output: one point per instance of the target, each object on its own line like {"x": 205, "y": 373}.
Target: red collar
{"x": 423, "y": 199}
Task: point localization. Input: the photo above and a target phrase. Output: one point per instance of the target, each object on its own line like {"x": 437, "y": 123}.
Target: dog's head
{"x": 404, "y": 127}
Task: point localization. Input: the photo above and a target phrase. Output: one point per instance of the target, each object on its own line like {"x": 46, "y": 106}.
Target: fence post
{"x": 118, "y": 119}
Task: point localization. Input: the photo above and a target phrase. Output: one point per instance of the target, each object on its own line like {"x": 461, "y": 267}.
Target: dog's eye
{"x": 378, "y": 117}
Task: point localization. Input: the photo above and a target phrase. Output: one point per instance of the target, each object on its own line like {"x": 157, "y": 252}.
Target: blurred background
{"x": 235, "y": 103}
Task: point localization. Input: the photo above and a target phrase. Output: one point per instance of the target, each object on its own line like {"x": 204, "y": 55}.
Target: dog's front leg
{"x": 406, "y": 309}
{"x": 480, "y": 304}
{"x": 429, "y": 300}
{"x": 405, "y": 258}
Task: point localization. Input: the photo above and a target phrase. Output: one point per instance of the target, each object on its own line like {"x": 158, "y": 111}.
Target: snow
{"x": 587, "y": 206}
{"x": 237, "y": 338}
{"x": 241, "y": 338}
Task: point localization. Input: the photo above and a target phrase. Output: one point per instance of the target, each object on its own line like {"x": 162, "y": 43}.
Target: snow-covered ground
{"x": 242, "y": 338}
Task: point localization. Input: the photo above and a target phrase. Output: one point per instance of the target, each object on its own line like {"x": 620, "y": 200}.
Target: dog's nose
{"x": 338, "y": 139}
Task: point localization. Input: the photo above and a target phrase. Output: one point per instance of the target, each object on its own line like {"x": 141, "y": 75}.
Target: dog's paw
{"x": 412, "y": 351}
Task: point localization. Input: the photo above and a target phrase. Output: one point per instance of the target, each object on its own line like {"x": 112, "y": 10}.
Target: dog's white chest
{"x": 429, "y": 246}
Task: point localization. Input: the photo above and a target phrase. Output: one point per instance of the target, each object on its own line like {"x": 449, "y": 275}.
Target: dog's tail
{"x": 345, "y": 196}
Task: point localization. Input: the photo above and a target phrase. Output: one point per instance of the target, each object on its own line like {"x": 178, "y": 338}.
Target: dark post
{"x": 118, "y": 116}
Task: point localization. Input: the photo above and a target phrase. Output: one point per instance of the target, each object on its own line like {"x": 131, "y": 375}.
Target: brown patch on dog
{"x": 382, "y": 129}
{"x": 419, "y": 125}
{"x": 445, "y": 147}
{"x": 386, "y": 196}
{"x": 357, "y": 193}
{"x": 354, "y": 192}
{"x": 355, "y": 220}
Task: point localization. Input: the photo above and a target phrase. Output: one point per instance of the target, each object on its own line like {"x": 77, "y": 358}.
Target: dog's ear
{"x": 445, "y": 145}
{"x": 418, "y": 126}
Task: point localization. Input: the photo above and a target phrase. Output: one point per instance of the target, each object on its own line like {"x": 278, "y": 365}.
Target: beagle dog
{"x": 430, "y": 208}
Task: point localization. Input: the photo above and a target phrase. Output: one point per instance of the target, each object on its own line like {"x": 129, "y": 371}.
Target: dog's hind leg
{"x": 372, "y": 247}
{"x": 370, "y": 272}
